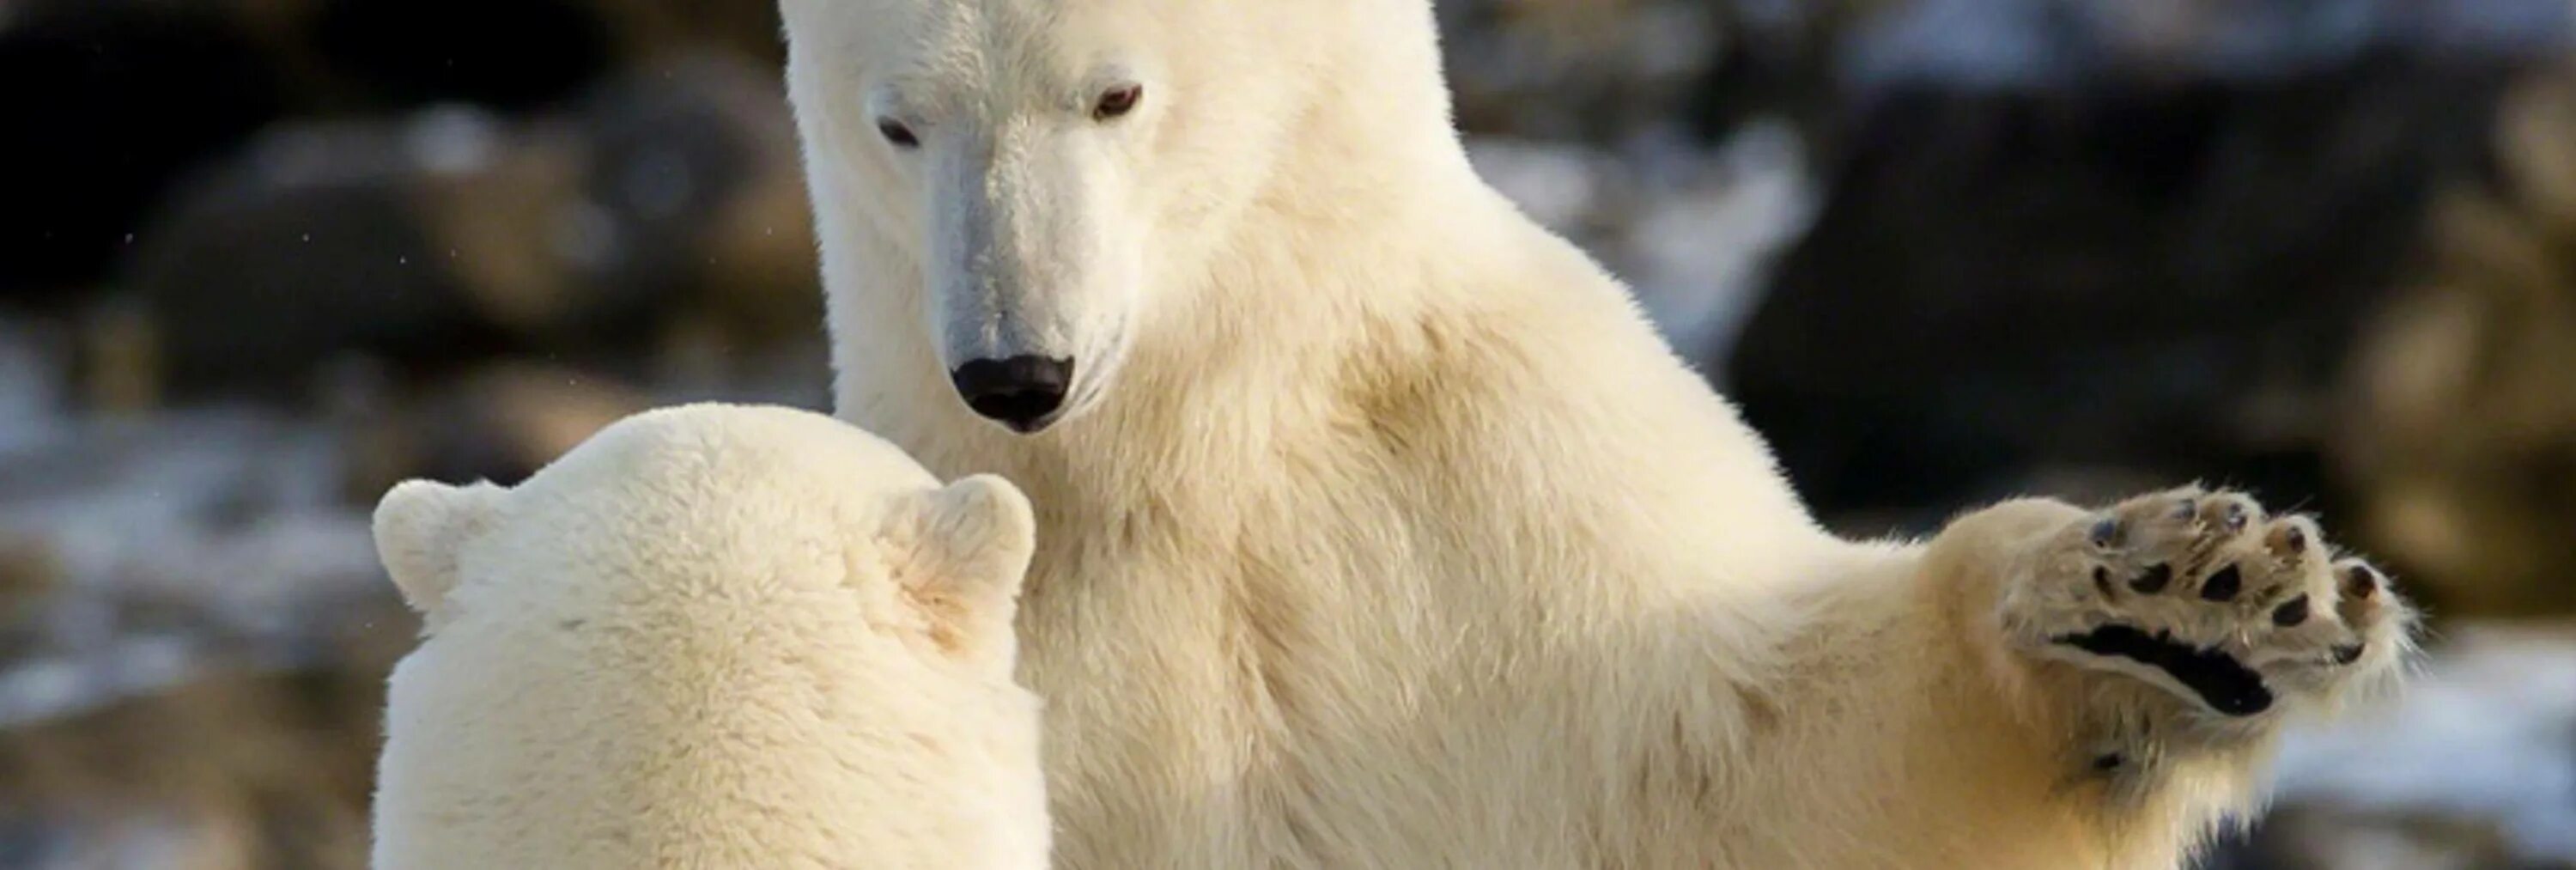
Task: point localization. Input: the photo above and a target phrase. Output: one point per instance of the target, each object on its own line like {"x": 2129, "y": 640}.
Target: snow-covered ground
{"x": 2488, "y": 732}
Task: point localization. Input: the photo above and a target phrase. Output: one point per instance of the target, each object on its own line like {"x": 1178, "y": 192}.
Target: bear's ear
{"x": 419, "y": 526}
{"x": 971, "y": 555}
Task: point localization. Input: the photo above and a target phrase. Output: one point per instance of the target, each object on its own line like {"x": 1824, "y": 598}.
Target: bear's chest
{"x": 1319, "y": 689}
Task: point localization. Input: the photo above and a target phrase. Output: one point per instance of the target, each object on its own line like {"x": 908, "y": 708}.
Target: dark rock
{"x": 110, "y": 102}
{"x": 317, "y": 241}
{"x": 2457, "y": 425}
{"x": 501, "y": 424}
{"x": 2148, "y": 274}
{"x": 695, "y": 158}
{"x": 1589, "y": 71}
{"x": 514, "y": 55}
{"x": 453, "y": 236}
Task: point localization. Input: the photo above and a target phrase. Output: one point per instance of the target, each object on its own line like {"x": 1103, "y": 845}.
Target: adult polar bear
{"x": 1377, "y": 528}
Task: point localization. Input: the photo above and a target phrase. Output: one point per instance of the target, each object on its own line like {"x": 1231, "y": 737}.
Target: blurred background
{"x": 260, "y": 259}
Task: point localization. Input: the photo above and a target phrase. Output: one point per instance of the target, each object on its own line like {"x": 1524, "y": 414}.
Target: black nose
{"x": 1022, "y": 392}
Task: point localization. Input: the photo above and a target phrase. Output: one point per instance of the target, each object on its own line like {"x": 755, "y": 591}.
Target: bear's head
{"x": 1041, "y": 180}
{"x": 727, "y": 631}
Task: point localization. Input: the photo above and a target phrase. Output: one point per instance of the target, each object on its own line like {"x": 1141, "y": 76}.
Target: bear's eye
{"x": 894, "y": 131}
{"x": 1118, "y": 101}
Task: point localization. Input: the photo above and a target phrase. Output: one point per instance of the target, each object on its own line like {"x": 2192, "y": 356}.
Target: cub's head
{"x": 699, "y": 612}
{"x": 1047, "y": 174}
{"x": 716, "y": 511}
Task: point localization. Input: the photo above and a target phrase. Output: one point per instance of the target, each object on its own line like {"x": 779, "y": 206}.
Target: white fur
{"x": 1385, "y": 531}
{"x": 712, "y": 637}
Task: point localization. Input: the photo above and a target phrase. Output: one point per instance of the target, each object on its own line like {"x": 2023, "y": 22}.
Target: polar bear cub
{"x": 712, "y": 636}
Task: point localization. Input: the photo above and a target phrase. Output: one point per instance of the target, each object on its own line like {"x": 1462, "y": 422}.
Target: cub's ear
{"x": 419, "y": 526}
{"x": 970, "y": 556}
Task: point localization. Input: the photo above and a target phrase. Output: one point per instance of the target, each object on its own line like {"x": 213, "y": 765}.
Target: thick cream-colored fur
{"x": 1382, "y": 530}
{"x": 712, "y": 637}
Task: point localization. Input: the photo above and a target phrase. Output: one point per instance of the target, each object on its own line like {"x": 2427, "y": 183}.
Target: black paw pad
{"x": 2222, "y": 683}
{"x": 2291, "y": 613}
{"x": 2223, "y": 585}
{"x": 2344, "y": 655}
{"x": 2360, "y": 582}
{"x": 2154, "y": 581}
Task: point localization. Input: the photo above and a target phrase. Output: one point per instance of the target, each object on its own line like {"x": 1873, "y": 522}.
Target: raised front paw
{"x": 2203, "y": 595}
